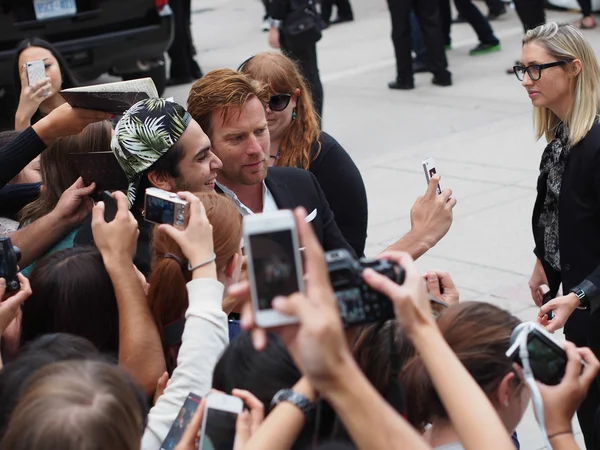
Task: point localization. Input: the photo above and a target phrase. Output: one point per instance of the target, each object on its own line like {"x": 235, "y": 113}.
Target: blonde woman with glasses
{"x": 560, "y": 73}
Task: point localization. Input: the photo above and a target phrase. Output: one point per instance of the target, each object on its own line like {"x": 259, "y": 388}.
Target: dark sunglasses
{"x": 535, "y": 70}
{"x": 279, "y": 102}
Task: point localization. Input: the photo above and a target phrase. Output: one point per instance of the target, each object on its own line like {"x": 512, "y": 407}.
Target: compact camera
{"x": 165, "y": 207}
{"x": 358, "y": 303}
{"x": 9, "y": 258}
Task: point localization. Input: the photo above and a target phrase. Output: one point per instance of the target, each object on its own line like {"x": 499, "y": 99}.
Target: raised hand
{"x": 9, "y": 307}
{"x": 441, "y": 287}
{"x": 75, "y": 204}
{"x": 31, "y": 98}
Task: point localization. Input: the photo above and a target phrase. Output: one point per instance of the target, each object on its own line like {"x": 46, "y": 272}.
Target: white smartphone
{"x": 36, "y": 71}
{"x": 274, "y": 263}
{"x": 218, "y": 426}
{"x": 430, "y": 170}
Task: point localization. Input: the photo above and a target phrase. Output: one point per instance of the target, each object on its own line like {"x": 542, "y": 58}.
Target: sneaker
{"x": 442, "y": 79}
{"x": 483, "y": 49}
{"x": 266, "y": 25}
{"x": 401, "y": 85}
{"x": 448, "y": 47}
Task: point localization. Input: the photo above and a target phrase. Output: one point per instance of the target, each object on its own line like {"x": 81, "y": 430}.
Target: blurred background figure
{"x": 184, "y": 68}
{"x": 344, "y": 11}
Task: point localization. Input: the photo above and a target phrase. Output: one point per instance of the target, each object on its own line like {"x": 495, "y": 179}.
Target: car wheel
{"x": 158, "y": 73}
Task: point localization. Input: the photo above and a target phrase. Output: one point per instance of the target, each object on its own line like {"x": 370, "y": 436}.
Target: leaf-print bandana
{"x": 144, "y": 134}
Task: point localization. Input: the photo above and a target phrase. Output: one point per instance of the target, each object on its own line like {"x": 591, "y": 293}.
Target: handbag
{"x": 302, "y": 26}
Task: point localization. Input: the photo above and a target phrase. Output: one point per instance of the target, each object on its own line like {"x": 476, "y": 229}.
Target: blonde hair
{"x": 565, "y": 42}
{"x": 284, "y": 76}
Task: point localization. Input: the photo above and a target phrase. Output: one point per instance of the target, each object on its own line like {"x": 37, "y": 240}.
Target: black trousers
{"x": 586, "y": 7}
{"x": 445, "y": 19}
{"x": 182, "y": 49}
{"x": 344, "y": 9}
{"x": 307, "y": 60}
{"x": 478, "y": 21}
{"x": 427, "y": 12}
{"x": 495, "y": 6}
{"x": 531, "y": 13}
{"x": 267, "y": 4}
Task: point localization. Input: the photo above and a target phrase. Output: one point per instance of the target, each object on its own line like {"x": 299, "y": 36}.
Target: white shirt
{"x": 269, "y": 204}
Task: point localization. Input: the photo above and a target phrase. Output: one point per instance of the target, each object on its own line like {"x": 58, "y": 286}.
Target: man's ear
{"x": 161, "y": 180}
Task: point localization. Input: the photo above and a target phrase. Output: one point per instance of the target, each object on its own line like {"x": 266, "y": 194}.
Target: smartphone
{"x": 274, "y": 263}
{"x": 180, "y": 424}
{"x": 101, "y": 168}
{"x": 430, "y": 170}
{"x": 546, "y": 297}
{"x": 165, "y": 207}
{"x": 218, "y": 426}
{"x": 36, "y": 71}
{"x": 110, "y": 206}
{"x": 547, "y": 357}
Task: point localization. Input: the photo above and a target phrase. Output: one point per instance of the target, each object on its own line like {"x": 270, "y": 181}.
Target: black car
{"x": 126, "y": 38}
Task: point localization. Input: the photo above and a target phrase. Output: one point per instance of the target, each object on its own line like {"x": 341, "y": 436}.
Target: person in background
{"x": 532, "y": 14}
{"x": 344, "y": 11}
{"x": 184, "y": 68}
{"x": 266, "y": 18}
{"x": 428, "y": 18}
{"x": 43, "y": 97}
{"x": 488, "y": 42}
{"x": 496, "y": 8}
{"x": 305, "y": 56}
{"x": 297, "y": 142}
{"x": 587, "y": 21}
{"x": 561, "y": 75}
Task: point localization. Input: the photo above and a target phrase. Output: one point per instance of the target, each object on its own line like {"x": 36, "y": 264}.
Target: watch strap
{"x": 293, "y": 397}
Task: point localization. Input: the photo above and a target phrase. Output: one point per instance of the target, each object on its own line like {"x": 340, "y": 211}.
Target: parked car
{"x": 125, "y": 38}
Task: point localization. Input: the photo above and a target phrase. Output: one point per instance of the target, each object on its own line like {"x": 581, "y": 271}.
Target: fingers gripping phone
{"x": 218, "y": 426}
{"x": 430, "y": 170}
{"x": 36, "y": 71}
{"x": 181, "y": 422}
{"x": 274, "y": 263}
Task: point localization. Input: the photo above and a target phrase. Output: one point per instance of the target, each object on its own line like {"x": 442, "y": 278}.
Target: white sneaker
{"x": 266, "y": 25}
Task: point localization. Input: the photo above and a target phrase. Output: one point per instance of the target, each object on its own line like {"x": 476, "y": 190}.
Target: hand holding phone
{"x": 218, "y": 425}
{"x": 187, "y": 421}
{"x": 274, "y": 263}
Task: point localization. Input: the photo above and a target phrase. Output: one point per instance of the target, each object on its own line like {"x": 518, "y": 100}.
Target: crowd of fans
{"x": 118, "y": 320}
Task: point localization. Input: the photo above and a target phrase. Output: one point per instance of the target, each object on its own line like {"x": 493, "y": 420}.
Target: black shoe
{"x": 403, "y": 86}
{"x": 496, "y": 14}
{"x": 341, "y": 20}
{"x": 459, "y": 19}
{"x": 419, "y": 67}
{"x": 442, "y": 80}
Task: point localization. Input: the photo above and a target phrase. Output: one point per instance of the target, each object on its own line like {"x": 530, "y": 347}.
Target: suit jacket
{"x": 291, "y": 188}
{"x": 579, "y": 224}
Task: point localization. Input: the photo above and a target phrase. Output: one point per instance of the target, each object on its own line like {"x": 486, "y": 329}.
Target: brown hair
{"x": 284, "y": 76}
{"x": 77, "y": 405}
{"x": 167, "y": 295}
{"x": 479, "y": 334}
{"x": 59, "y": 172}
{"x": 222, "y": 88}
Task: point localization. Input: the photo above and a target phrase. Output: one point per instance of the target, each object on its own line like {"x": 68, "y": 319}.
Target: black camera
{"x": 358, "y": 303}
{"x": 9, "y": 258}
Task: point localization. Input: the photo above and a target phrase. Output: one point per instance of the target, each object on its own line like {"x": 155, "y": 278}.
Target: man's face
{"x": 242, "y": 143}
{"x": 199, "y": 165}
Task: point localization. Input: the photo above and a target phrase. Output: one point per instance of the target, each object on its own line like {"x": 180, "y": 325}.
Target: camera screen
{"x": 274, "y": 263}
{"x": 159, "y": 210}
{"x": 220, "y": 430}
{"x": 548, "y": 363}
{"x": 351, "y": 305}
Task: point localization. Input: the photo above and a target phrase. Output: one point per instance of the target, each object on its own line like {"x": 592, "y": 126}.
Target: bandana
{"x": 144, "y": 134}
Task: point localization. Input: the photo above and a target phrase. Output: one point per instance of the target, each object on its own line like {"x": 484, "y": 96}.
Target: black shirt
{"x": 344, "y": 190}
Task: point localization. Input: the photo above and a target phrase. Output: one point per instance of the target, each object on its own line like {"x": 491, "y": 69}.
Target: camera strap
{"x": 536, "y": 396}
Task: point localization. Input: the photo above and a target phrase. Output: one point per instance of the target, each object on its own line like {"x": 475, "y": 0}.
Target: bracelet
{"x": 559, "y": 434}
{"x": 205, "y": 263}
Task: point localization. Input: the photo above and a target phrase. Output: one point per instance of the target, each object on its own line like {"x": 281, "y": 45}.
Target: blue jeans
{"x": 416, "y": 40}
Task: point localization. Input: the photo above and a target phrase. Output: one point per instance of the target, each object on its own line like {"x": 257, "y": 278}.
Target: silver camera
{"x": 165, "y": 207}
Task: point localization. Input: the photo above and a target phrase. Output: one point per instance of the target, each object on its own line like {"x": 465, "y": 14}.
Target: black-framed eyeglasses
{"x": 279, "y": 102}
{"x": 535, "y": 70}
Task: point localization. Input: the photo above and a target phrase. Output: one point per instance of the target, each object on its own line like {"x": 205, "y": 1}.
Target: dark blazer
{"x": 292, "y": 188}
{"x": 579, "y": 225}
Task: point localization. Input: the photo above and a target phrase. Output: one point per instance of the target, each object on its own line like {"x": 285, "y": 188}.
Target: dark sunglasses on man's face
{"x": 279, "y": 102}
{"x": 535, "y": 70}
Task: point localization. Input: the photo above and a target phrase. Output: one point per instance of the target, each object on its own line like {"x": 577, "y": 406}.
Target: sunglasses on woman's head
{"x": 279, "y": 102}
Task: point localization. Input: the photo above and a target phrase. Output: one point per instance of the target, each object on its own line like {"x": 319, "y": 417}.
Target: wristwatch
{"x": 295, "y": 398}
{"x": 583, "y": 300}
{"x": 274, "y": 23}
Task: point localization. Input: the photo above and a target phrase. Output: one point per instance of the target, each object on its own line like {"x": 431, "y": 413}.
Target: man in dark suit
{"x": 231, "y": 109}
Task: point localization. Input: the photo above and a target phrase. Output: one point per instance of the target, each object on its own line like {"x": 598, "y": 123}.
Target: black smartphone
{"x": 546, "y": 297}
{"x": 181, "y": 422}
{"x": 547, "y": 358}
{"x": 101, "y": 168}
{"x": 110, "y": 206}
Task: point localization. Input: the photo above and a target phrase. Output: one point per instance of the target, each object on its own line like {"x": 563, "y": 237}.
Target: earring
{"x": 294, "y": 115}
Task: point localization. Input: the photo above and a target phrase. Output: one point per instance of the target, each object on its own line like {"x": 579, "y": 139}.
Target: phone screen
{"x": 159, "y": 210}
{"x": 548, "y": 362}
{"x": 219, "y": 433}
{"x": 274, "y": 264}
{"x": 182, "y": 421}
